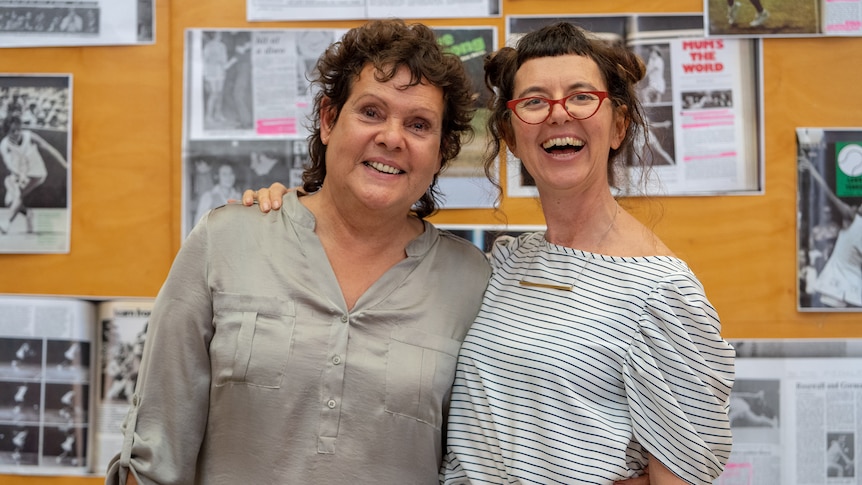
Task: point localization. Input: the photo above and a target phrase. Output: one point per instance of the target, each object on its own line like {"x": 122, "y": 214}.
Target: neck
{"x": 357, "y": 226}
{"x": 584, "y": 224}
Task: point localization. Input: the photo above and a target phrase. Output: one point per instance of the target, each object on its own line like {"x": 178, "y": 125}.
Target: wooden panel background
{"x": 126, "y": 158}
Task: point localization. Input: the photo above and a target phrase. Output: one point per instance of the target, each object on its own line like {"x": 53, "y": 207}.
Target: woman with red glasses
{"x": 596, "y": 352}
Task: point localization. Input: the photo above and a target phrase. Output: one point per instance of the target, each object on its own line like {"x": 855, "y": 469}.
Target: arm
{"x": 679, "y": 372}
{"x": 48, "y": 148}
{"x": 267, "y": 198}
{"x": 661, "y": 475}
{"x": 167, "y": 419}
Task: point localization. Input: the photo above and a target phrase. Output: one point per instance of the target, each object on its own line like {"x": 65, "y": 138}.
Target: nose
{"x": 391, "y": 134}
{"x": 558, "y": 112}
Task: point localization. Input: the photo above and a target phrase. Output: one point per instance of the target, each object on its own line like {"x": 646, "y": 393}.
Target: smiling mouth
{"x": 383, "y": 168}
{"x": 563, "y": 144}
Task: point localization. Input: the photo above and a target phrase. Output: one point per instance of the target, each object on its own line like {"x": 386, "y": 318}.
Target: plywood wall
{"x": 127, "y": 171}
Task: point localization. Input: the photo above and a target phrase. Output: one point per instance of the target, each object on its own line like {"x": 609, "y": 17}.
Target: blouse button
{"x": 336, "y": 360}
{"x": 344, "y": 319}
{"x": 331, "y": 403}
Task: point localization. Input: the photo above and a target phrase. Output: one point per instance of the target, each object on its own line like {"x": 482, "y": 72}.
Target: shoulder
{"x": 467, "y": 252}
{"x": 633, "y": 238}
{"x": 236, "y": 221}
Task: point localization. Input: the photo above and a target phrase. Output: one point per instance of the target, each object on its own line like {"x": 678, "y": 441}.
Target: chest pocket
{"x": 419, "y": 372}
{"x": 252, "y": 339}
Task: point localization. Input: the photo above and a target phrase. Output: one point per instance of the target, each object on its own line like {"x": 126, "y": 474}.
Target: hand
{"x": 266, "y": 198}
{"x": 641, "y": 480}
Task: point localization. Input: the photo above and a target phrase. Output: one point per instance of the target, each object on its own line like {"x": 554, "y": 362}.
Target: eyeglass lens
{"x": 579, "y": 105}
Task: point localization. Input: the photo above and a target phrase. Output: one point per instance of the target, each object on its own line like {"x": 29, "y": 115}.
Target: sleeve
{"x": 678, "y": 375}
{"x": 163, "y": 430}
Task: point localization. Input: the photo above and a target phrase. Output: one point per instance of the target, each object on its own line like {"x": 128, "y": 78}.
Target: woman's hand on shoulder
{"x": 641, "y": 480}
{"x": 267, "y": 198}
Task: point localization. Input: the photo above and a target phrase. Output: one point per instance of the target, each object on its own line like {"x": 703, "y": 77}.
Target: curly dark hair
{"x": 621, "y": 68}
{"x": 389, "y": 45}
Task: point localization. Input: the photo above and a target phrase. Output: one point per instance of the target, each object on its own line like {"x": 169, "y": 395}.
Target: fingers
{"x": 641, "y": 480}
{"x": 265, "y": 201}
{"x": 248, "y": 197}
{"x": 267, "y": 198}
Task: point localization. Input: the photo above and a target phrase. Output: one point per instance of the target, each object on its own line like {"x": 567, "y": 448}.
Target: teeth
{"x": 380, "y": 167}
{"x": 563, "y": 142}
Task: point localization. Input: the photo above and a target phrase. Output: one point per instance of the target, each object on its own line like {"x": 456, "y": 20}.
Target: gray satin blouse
{"x": 254, "y": 371}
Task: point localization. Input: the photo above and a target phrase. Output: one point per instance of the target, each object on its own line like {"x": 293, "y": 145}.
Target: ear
{"x": 327, "y": 119}
{"x": 508, "y": 136}
{"x": 620, "y": 126}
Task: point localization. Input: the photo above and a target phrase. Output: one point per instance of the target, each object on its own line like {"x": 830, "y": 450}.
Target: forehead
{"x": 567, "y": 71}
{"x": 398, "y": 89}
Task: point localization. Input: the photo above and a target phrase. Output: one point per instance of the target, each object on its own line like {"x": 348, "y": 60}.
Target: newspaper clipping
{"x": 267, "y": 10}
{"x": 35, "y": 146}
{"x": 45, "y": 383}
{"x": 794, "y": 413}
{"x": 44, "y": 23}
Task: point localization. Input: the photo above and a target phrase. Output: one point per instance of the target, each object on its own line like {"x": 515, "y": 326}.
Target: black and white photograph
{"x": 840, "y": 455}
{"x": 755, "y": 403}
{"x": 35, "y": 138}
{"x": 50, "y": 23}
{"x": 146, "y": 20}
{"x": 227, "y": 80}
{"x": 219, "y": 170}
{"x": 47, "y": 18}
{"x": 20, "y": 401}
{"x": 65, "y": 446}
{"x": 655, "y": 88}
{"x": 19, "y": 445}
{"x": 829, "y": 219}
{"x": 656, "y": 147}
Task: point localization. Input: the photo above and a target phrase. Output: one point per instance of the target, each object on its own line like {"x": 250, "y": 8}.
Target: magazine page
{"x": 35, "y": 148}
{"x": 701, "y": 114}
{"x": 267, "y": 10}
{"x": 43, "y": 23}
{"x": 842, "y": 17}
{"x": 121, "y": 332}
{"x": 793, "y": 412}
{"x": 829, "y": 219}
{"x": 45, "y": 414}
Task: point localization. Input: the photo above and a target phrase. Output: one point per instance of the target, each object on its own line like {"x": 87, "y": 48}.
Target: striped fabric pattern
{"x": 558, "y": 386}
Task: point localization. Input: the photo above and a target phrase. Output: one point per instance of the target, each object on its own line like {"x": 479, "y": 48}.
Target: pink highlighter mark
{"x": 277, "y": 126}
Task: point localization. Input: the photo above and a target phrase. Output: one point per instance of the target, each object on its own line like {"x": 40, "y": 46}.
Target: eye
{"x": 370, "y": 112}
{"x": 533, "y": 103}
{"x": 420, "y": 126}
{"x": 583, "y": 97}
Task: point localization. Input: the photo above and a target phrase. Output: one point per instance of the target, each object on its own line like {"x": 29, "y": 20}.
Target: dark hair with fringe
{"x": 389, "y": 45}
{"x": 620, "y": 67}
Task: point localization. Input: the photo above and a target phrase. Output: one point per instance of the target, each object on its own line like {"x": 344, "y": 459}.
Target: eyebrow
{"x": 578, "y": 86}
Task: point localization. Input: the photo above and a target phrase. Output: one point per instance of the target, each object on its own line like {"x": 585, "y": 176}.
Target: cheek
{"x": 514, "y": 139}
